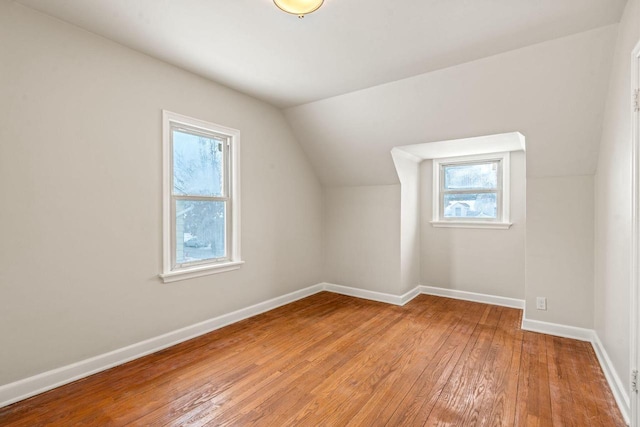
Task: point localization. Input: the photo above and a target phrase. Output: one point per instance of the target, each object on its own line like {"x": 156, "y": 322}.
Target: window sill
{"x": 472, "y": 224}
{"x": 190, "y": 273}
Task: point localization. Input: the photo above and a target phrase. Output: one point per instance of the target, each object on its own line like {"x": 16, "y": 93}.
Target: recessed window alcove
{"x": 472, "y": 254}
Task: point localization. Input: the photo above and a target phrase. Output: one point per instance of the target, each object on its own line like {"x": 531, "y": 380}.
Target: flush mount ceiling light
{"x": 299, "y": 7}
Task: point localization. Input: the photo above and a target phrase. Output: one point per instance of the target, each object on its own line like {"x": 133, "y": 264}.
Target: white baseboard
{"x": 472, "y": 296}
{"x": 372, "y": 295}
{"x": 420, "y": 289}
{"x": 617, "y": 386}
{"x": 22, "y": 389}
{"x": 557, "y": 330}
{"x": 410, "y": 295}
{"x": 582, "y": 334}
{"x": 25, "y": 388}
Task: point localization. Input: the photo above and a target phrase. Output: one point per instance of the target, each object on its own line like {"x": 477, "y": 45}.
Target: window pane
{"x": 200, "y": 230}
{"x": 197, "y": 164}
{"x": 473, "y": 176}
{"x": 479, "y": 205}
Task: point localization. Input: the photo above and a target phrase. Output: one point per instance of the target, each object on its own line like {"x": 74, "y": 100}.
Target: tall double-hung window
{"x": 201, "y": 198}
{"x": 471, "y": 191}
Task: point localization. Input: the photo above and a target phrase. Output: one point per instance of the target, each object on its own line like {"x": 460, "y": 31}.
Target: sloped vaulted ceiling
{"x": 553, "y": 93}
{"x": 358, "y": 77}
{"x": 347, "y": 45}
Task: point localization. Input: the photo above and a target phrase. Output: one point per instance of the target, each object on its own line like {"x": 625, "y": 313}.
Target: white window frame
{"x": 503, "y": 199}
{"x": 172, "y": 271}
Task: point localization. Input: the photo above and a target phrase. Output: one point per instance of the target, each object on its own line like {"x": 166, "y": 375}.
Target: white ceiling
{"x": 553, "y": 93}
{"x": 487, "y": 144}
{"x": 347, "y": 45}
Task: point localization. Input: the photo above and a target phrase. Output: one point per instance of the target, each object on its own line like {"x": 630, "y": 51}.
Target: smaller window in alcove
{"x": 471, "y": 191}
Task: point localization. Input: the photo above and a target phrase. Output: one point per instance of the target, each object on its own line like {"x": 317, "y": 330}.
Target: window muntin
{"x": 471, "y": 191}
{"x": 201, "y": 198}
{"x": 469, "y": 176}
{"x": 198, "y": 162}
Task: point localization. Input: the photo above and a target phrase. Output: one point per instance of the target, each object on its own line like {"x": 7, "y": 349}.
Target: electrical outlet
{"x": 541, "y": 303}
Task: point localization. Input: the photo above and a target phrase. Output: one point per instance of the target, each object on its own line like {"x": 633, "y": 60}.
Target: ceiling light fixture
{"x": 299, "y": 7}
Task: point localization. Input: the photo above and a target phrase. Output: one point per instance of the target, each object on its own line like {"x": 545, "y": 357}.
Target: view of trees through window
{"x": 470, "y": 190}
{"x": 198, "y": 189}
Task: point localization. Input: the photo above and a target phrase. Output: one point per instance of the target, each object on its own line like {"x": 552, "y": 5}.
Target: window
{"x": 471, "y": 192}
{"x": 201, "y": 198}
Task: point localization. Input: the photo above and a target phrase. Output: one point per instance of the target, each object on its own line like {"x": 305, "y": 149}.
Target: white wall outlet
{"x": 541, "y": 303}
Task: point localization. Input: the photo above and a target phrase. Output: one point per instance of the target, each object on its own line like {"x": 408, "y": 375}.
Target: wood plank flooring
{"x": 333, "y": 360}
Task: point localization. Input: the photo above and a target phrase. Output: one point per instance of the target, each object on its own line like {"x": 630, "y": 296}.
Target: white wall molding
{"x": 22, "y": 389}
{"x": 372, "y": 295}
{"x": 410, "y": 295}
{"x": 613, "y": 379}
{"x": 558, "y": 330}
{"x": 472, "y": 296}
{"x": 422, "y": 289}
{"x": 617, "y": 386}
{"x": 31, "y": 386}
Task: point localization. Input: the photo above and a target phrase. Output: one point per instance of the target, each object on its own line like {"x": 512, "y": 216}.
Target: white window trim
{"x": 169, "y": 274}
{"x": 502, "y": 223}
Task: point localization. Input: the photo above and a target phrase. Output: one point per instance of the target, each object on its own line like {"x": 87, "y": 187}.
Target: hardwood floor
{"x": 333, "y": 360}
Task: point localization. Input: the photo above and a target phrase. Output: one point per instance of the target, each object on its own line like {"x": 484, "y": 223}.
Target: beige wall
{"x": 80, "y": 176}
{"x": 410, "y": 189}
{"x": 476, "y": 260}
{"x": 80, "y": 179}
{"x": 552, "y": 92}
{"x": 362, "y": 237}
{"x": 559, "y": 254}
{"x": 613, "y": 203}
